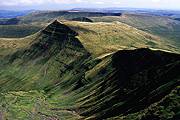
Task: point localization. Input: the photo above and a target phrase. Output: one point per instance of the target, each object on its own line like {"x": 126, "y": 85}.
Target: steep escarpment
{"x": 138, "y": 78}
{"x": 51, "y": 40}
{"x": 53, "y": 51}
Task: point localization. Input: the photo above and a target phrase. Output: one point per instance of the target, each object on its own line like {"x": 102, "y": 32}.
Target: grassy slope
{"x": 166, "y": 28}
{"x": 52, "y": 75}
{"x": 96, "y": 36}
{"x": 10, "y": 45}
{"x": 100, "y": 38}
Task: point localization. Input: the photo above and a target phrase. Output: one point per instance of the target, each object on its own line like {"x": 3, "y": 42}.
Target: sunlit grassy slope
{"x": 166, "y": 28}
{"x": 10, "y": 45}
{"x": 75, "y": 70}
{"x": 112, "y": 36}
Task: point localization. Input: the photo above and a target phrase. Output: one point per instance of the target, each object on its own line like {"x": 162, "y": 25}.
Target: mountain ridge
{"x": 59, "y": 75}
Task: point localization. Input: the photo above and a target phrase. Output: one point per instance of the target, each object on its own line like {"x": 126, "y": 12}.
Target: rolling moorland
{"x": 165, "y": 27}
{"x": 88, "y": 70}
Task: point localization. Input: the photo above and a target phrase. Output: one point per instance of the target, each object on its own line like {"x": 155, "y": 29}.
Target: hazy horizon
{"x": 68, "y": 4}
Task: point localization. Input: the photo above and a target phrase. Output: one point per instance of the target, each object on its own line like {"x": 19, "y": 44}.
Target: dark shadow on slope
{"x": 134, "y": 84}
{"x": 178, "y": 19}
{"x": 82, "y": 19}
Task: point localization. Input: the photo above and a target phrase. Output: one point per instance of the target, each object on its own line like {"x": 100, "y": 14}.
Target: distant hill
{"x": 34, "y": 21}
{"x": 11, "y": 21}
{"x": 47, "y": 16}
{"x": 165, "y": 27}
{"x": 177, "y": 19}
{"x": 18, "y": 31}
{"x": 13, "y": 14}
{"x": 154, "y": 12}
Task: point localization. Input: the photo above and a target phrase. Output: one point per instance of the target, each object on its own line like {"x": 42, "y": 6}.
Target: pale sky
{"x": 67, "y": 4}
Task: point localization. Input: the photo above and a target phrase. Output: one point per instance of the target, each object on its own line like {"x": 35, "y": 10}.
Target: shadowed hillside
{"x": 137, "y": 79}
{"x": 18, "y": 31}
{"x": 12, "y": 21}
{"x": 82, "y": 19}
